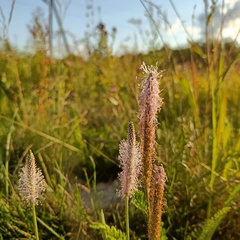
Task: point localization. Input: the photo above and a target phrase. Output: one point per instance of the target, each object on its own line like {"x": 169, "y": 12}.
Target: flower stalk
{"x": 156, "y": 202}
{"x": 150, "y": 104}
{"x": 154, "y": 177}
{"x": 130, "y": 162}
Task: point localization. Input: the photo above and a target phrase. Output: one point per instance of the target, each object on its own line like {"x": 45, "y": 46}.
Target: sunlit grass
{"x": 73, "y": 113}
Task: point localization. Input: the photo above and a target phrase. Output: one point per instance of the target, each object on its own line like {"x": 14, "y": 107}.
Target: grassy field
{"x": 72, "y": 113}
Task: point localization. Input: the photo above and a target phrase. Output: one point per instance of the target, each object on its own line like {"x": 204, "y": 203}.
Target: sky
{"x": 171, "y": 22}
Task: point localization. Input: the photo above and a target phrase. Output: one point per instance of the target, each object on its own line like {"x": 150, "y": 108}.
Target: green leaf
{"x": 109, "y": 233}
{"x": 211, "y": 224}
{"x": 139, "y": 201}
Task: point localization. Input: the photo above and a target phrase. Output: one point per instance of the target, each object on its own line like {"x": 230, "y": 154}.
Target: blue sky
{"x": 134, "y": 27}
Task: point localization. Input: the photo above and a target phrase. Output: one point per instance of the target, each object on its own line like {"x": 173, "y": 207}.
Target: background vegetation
{"x": 73, "y": 112}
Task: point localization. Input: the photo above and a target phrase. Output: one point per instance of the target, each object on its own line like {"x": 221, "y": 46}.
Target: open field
{"x": 73, "y": 113}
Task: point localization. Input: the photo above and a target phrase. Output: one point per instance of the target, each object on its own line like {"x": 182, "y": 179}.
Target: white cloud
{"x": 230, "y": 3}
{"x": 175, "y": 28}
{"x": 178, "y": 33}
{"x": 232, "y": 29}
{"x": 229, "y": 16}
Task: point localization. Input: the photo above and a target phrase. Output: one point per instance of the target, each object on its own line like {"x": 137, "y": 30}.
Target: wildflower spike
{"x": 150, "y": 103}
{"x": 130, "y": 161}
{"x": 31, "y": 182}
{"x": 131, "y": 135}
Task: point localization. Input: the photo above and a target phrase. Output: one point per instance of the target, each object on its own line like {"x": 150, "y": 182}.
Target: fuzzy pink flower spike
{"x": 150, "y": 104}
{"x": 130, "y": 161}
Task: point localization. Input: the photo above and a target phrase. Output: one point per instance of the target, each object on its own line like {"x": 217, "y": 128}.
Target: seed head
{"x": 31, "y": 182}
{"x": 156, "y": 202}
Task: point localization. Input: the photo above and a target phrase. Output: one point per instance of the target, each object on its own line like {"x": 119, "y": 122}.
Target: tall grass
{"x": 74, "y": 112}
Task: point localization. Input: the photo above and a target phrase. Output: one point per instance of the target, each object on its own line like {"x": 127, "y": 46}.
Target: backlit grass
{"x": 73, "y": 113}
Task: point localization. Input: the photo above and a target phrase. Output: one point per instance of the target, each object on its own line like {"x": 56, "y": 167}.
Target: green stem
{"x": 127, "y": 217}
{"x": 214, "y": 149}
{"x": 8, "y": 144}
{"x": 50, "y": 229}
{"x": 35, "y": 221}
